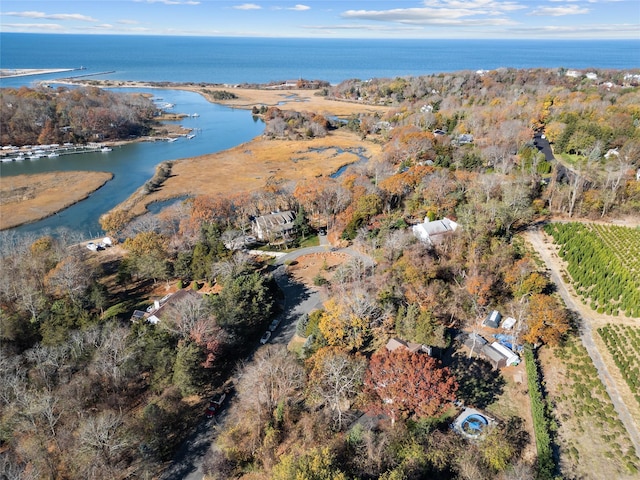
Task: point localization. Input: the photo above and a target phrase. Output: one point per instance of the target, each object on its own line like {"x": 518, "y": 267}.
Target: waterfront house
{"x": 274, "y": 227}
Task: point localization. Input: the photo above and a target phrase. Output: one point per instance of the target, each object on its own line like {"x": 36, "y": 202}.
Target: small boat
{"x": 53, "y": 155}
{"x": 105, "y": 149}
{"x": 191, "y": 136}
{"x": 35, "y": 156}
{"x": 171, "y": 140}
{"x": 195, "y": 114}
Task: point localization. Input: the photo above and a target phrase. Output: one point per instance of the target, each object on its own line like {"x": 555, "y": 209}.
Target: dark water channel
{"x": 216, "y": 128}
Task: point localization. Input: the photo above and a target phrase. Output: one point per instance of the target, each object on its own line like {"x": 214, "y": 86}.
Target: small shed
{"x": 474, "y": 342}
{"x": 511, "y": 357}
{"x": 508, "y": 323}
{"x": 495, "y": 358}
{"x": 493, "y": 320}
{"x": 138, "y": 315}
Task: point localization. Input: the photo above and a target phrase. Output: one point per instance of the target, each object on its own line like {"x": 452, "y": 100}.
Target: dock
{"x": 36, "y": 152}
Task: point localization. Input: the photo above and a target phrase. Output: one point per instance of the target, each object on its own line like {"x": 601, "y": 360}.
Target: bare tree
{"x": 576, "y": 188}
{"x": 31, "y": 298}
{"x": 336, "y": 379}
{"x": 12, "y": 469}
{"x": 12, "y": 378}
{"x": 46, "y": 362}
{"x": 615, "y": 171}
{"x": 70, "y": 277}
{"x": 113, "y": 353}
{"x": 103, "y": 435}
{"x": 272, "y": 377}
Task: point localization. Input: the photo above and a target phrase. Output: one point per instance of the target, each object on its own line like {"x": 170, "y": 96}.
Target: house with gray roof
{"x": 276, "y": 227}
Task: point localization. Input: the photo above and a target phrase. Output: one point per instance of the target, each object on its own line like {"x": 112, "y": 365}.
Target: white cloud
{"x": 170, "y": 2}
{"x": 32, "y": 26}
{"x": 248, "y": 6}
{"x": 126, "y": 21}
{"x": 299, "y": 8}
{"x": 441, "y": 12}
{"x": 560, "y": 11}
{"x": 372, "y": 27}
{"x": 51, "y": 16}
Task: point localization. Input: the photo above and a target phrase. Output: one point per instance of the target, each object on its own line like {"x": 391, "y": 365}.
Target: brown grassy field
{"x": 244, "y": 168}
{"x": 27, "y": 198}
{"x": 249, "y": 166}
{"x": 300, "y": 100}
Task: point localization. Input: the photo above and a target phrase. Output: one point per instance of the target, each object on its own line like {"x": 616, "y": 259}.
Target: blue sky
{"x": 549, "y": 19}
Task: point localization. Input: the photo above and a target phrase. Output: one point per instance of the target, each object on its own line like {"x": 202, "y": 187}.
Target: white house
{"x": 433, "y": 232}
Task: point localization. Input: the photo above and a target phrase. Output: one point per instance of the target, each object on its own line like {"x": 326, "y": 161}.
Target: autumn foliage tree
{"x": 406, "y": 384}
{"x": 548, "y": 320}
{"x": 341, "y": 327}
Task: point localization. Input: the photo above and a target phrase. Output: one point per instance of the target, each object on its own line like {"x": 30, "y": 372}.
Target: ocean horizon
{"x": 262, "y": 60}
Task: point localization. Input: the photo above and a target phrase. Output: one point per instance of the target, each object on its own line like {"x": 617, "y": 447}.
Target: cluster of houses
{"x": 498, "y": 353}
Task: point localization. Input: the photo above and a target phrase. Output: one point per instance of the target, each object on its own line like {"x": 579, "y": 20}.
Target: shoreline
{"x": 26, "y": 72}
{"x": 260, "y": 158}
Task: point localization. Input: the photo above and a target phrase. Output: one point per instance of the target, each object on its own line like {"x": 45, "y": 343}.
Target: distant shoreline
{"x": 25, "y": 72}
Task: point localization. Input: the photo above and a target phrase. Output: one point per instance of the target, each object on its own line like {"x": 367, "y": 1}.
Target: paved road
{"x": 536, "y": 238}
{"x": 542, "y": 144}
{"x": 298, "y": 300}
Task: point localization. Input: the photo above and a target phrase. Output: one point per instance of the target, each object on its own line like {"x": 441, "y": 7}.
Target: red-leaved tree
{"x": 405, "y": 384}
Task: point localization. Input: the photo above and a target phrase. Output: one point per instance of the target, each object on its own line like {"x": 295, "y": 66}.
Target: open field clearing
{"x": 252, "y": 165}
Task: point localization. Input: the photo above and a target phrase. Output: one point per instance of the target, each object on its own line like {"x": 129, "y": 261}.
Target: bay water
{"x": 248, "y": 60}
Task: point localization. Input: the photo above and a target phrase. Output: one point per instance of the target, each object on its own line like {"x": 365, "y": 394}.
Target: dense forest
{"x": 86, "y": 393}
{"x": 44, "y": 116}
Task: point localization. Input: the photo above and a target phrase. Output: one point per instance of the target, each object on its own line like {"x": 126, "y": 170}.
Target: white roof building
{"x": 512, "y": 358}
{"x": 432, "y": 232}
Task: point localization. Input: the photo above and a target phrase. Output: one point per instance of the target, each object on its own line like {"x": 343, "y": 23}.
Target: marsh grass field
{"x": 28, "y": 198}
{"x": 244, "y": 168}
